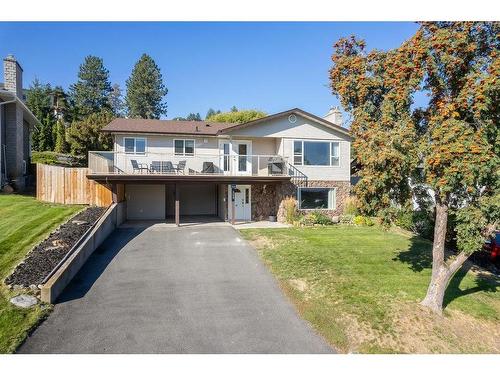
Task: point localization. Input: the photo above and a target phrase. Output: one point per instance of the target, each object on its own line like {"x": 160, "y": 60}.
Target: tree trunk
{"x": 441, "y": 271}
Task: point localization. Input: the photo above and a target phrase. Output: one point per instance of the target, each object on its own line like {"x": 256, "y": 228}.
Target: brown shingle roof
{"x": 126, "y": 125}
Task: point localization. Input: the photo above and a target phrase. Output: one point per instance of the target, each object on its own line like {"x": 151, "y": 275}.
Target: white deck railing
{"x": 110, "y": 162}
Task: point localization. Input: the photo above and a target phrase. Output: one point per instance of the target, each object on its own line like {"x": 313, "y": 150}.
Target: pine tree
{"x": 146, "y": 90}
{"x": 193, "y": 117}
{"x": 234, "y": 109}
{"x": 211, "y": 112}
{"x": 61, "y": 145}
{"x": 46, "y": 134}
{"x": 38, "y": 100}
{"x": 116, "y": 101}
{"x": 91, "y": 92}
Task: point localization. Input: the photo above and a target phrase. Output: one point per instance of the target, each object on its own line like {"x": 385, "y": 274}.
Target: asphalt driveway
{"x": 159, "y": 289}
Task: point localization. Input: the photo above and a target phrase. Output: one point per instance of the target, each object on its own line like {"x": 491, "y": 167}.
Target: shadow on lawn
{"x": 419, "y": 257}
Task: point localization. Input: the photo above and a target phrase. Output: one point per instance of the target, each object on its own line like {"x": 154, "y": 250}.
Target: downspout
{"x": 3, "y": 148}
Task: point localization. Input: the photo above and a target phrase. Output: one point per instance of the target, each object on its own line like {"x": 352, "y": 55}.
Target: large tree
{"x": 236, "y": 117}
{"x": 116, "y": 101}
{"x": 86, "y": 135}
{"x": 90, "y": 94}
{"x": 146, "y": 90}
{"x": 38, "y": 100}
{"x": 452, "y": 143}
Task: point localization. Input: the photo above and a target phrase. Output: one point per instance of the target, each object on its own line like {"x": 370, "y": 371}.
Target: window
{"x": 297, "y": 152}
{"x": 316, "y": 198}
{"x": 184, "y": 147}
{"x": 135, "y": 145}
{"x": 316, "y": 153}
{"x": 335, "y": 159}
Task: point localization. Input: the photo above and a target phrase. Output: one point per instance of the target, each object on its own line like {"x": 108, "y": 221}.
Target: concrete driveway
{"x": 161, "y": 289}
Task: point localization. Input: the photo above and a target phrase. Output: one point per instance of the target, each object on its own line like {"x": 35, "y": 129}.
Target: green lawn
{"x": 23, "y": 223}
{"x": 360, "y": 287}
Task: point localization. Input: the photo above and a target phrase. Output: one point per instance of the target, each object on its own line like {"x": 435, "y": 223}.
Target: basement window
{"x": 317, "y": 198}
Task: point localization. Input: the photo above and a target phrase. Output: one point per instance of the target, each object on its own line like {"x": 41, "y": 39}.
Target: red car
{"x": 492, "y": 246}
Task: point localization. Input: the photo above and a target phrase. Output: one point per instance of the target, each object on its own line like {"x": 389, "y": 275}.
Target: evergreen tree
{"x": 146, "y": 90}
{"x": 116, "y": 101}
{"x": 45, "y": 136}
{"x": 234, "y": 109}
{"x": 86, "y": 135}
{"x": 38, "y": 100}
{"x": 60, "y": 105}
{"x": 61, "y": 145}
{"x": 193, "y": 117}
{"x": 91, "y": 92}
{"x": 211, "y": 112}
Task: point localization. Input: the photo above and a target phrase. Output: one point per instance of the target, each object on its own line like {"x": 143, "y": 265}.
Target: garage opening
{"x": 197, "y": 202}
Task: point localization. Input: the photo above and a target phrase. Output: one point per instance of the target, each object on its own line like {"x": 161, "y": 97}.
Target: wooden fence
{"x": 70, "y": 186}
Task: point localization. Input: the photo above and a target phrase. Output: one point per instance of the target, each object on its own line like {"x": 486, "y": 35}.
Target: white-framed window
{"x": 184, "y": 147}
{"x": 316, "y": 153}
{"x": 317, "y": 198}
{"x": 134, "y": 145}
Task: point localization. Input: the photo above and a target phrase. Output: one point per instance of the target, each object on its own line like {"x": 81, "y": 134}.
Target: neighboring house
{"x": 16, "y": 124}
{"x": 240, "y": 172}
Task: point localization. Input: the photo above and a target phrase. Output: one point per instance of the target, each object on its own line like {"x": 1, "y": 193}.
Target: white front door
{"x": 242, "y": 203}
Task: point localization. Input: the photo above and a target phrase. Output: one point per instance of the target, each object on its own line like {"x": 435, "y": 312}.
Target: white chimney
{"x": 334, "y": 115}
{"x": 13, "y": 76}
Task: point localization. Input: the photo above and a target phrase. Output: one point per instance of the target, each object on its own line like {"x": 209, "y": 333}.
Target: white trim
{"x": 135, "y": 146}
{"x": 234, "y": 152}
{"x": 332, "y": 198}
{"x": 184, "y": 147}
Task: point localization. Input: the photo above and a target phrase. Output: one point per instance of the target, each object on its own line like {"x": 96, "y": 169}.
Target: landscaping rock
{"x": 23, "y": 300}
{"x": 42, "y": 259}
{"x": 7, "y": 189}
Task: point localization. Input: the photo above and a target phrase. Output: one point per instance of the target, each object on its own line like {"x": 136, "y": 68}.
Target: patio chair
{"x": 181, "y": 166}
{"x": 156, "y": 166}
{"x": 139, "y": 166}
{"x": 208, "y": 167}
{"x": 167, "y": 167}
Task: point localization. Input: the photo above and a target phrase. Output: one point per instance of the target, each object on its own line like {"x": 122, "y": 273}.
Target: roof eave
{"x": 30, "y": 117}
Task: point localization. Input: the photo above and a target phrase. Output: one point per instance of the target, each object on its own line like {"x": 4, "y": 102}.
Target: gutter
{"x": 26, "y": 110}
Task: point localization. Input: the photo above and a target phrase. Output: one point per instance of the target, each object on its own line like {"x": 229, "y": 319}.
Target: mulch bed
{"x": 42, "y": 259}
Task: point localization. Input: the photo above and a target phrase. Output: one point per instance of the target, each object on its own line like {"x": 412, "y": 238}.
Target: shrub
{"x": 290, "y": 210}
{"x": 346, "y": 219}
{"x": 315, "y": 217}
{"x": 351, "y": 206}
{"x": 359, "y": 220}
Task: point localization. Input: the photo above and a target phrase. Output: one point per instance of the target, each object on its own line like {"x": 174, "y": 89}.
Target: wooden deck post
{"x": 177, "y": 215}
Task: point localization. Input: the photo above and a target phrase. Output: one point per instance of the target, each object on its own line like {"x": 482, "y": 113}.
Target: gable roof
{"x": 296, "y": 111}
{"x": 137, "y": 125}
{"x": 133, "y": 125}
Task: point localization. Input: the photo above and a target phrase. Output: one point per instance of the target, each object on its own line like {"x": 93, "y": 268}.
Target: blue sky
{"x": 268, "y": 66}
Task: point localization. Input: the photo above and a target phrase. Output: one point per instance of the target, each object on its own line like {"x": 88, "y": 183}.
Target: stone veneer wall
{"x": 289, "y": 189}
{"x": 263, "y": 197}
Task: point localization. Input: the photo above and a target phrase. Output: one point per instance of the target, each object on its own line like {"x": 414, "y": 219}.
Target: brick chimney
{"x": 13, "y": 76}
{"x": 334, "y": 115}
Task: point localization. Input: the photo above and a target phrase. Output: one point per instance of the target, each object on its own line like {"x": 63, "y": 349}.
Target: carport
{"x": 165, "y": 196}
{"x": 158, "y": 201}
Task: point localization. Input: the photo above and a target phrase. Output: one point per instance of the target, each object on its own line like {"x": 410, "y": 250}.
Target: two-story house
{"x": 16, "y": 125}
{"x": 236, "y": 172}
